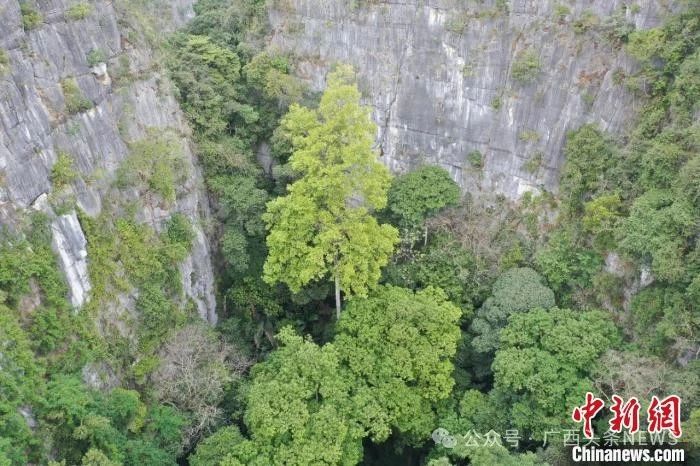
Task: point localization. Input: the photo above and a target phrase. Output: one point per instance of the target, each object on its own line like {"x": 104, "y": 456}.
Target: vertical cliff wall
{"x": 78, "y": 86}
{"x": 486, "y": 89}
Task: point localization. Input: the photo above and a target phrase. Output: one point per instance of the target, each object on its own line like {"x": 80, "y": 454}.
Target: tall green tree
{"x": 324, "y": 226}
{"x": 386, "y": 371}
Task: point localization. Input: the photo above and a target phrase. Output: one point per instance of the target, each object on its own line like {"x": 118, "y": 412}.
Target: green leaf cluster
{"x": 542, "y": 366}
{"x": 78, "y": 11}
{"x": 74, "y": 99}
{"x": 206, "y": 75}
{"x": 419, "y": 194}
{"x": 31, "y": 18}
{"x": 63, "y": 172}
{"x": 155, "y": 164}
{"x": 324, "y": 226}
{"x": 516, "y": 290}
{"x": 526, "y": 67}
{"x": 387, "y": 368}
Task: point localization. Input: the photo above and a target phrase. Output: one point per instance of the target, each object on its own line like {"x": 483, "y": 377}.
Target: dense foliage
{"x": 542, "y": 366}
{"x": 324, "y": 226}
{"x": 639, "y": 199}
{"x": 517, "y": 290}
{"x": 418, "y": 195}
{"x": 311, "y": 404}
{"x": 490, "y": 316}
{"x": 45, "y": 344}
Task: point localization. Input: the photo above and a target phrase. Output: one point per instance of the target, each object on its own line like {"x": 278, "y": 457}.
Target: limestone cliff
{"x": 486, "y": 89}
{"x": 82, "y": 85}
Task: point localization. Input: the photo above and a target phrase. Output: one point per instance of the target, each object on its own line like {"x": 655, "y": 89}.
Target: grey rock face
{"x": 439, "y": 75}
{"x": 28, "y": 415}
{"x": 127, "y": 96}
{"x": 99, "y": 376}
{"x": 71, "y": 247}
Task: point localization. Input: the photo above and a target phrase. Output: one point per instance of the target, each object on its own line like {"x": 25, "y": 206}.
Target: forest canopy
{"x": 365, "y": 316}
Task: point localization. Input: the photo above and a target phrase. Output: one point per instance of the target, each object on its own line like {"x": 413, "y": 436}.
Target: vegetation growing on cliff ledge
{"x": 459, "y": 315}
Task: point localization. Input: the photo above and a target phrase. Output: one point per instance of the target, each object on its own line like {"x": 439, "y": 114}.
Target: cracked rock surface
{"x": 127, "y": 97}
{"x": 439, "y": 77}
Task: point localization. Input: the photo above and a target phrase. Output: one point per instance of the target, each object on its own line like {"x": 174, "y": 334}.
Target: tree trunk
{"x": 337, "y": 297}
{"x": 425, "y": 236}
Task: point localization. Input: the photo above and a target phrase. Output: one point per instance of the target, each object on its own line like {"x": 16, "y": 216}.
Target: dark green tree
{"x": 589, "y": 158}
{"x": 215, "y": 448}
{"x": 207, "y": 77}
{"x": 418, "y": 195}
{"x": 516, "y": 290}
{"x": 542, "y": 367}
{"x": 443, "y": 264}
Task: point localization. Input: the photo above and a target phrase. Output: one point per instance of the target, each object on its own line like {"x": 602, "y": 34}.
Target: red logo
{"x": 587, "y": 412}
{"x": 662, "y": 415}
{"x": 665, "y": 415}
{"x": 625, "y": 415}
